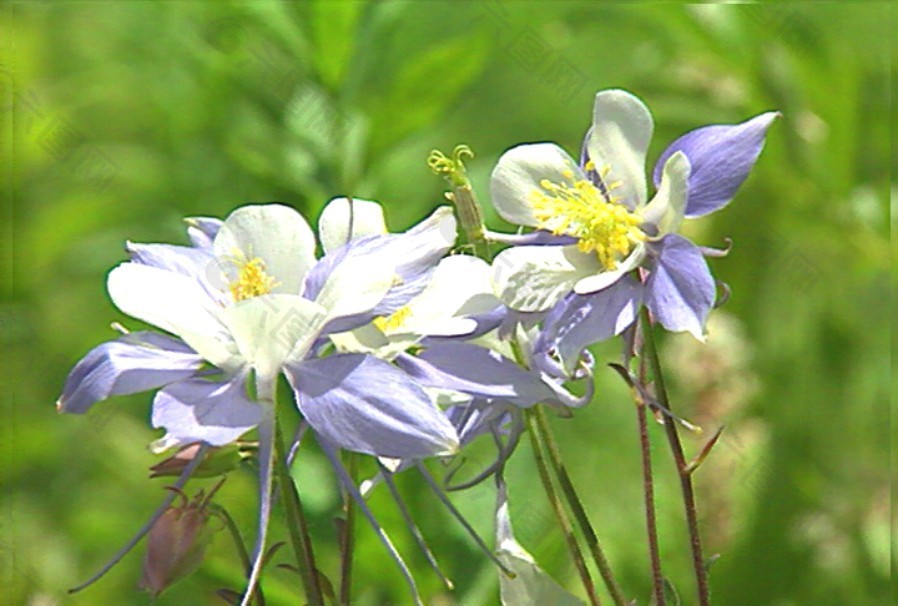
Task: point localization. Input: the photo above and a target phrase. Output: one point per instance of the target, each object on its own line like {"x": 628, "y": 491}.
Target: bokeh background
{"x": 121, "y": 118}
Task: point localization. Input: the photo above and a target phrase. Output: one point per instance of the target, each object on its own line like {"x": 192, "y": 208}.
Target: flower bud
{"x": 177, "y": 543}
{"x": 217, "y": 461}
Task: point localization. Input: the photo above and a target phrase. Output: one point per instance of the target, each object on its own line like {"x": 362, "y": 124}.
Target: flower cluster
{"x": 392, "y": 346}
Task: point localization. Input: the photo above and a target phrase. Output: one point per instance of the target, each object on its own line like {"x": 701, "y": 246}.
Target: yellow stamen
{"x": 598, "y": 221}
{"x": 394, "y": 321}
{"x": 252, "y": 281}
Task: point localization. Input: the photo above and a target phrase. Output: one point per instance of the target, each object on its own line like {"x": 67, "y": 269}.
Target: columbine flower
{"x": 255, "y": 299}
{"x": 249, "y": 296}
{"x": 595, "y": 223}
{"x": 458, "y": 302}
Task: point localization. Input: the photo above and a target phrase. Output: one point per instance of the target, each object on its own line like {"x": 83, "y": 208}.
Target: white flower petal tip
{"x": 619, "y": 140}
{"x": 345, "y": 219}
{"x": 520, "y": 172}
{"x": 667, "y": 209}
{"x": 276, "y": 235}
{"x": 444, "y": 220}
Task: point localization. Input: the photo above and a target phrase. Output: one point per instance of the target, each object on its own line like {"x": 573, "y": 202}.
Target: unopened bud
{"x": 216, "y": 461}
{"x": 177, "y": 543}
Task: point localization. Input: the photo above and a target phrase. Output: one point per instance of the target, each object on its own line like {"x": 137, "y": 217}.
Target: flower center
{"x": 252, "y": 280}
{"x": 598, "y": 221}
{"x": 394, "y": 321}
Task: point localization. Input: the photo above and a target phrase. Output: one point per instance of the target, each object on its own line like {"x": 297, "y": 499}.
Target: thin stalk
{"x": 576, "y": 506}
{"x": 229, "y": 523}
{"x": 558, "y": 508}
{"x": 649, "y": 491}
{"x": 698, "y": 561}
{"x": 467, "y": 206}
{"x": 347, "y": 538}
{"x": 296, "y": 524}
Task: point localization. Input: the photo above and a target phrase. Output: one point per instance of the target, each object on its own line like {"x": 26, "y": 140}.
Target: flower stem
{"x": 558, "y": 508}
{"x": 649, "y": 490}
{"x": 468, "y": 209}
{"x": 346, "y": 538}
{"x": 676, "y": 447}
{"x": 296, "y": 519}
{"x": 576, "y": 506}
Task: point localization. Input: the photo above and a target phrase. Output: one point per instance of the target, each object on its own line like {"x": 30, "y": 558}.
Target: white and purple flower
{"x": 594, "y": 223}
{"x": 249, "y": 300}
{"x": 255, "y": 299}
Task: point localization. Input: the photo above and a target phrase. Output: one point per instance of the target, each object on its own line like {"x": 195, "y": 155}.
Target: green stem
{"x": 296, "y": 520}
{"x": 468, "y": 208}
{"x": 576, "y": 506}
{"x": 676, "y": 447}
{"x": 558, "y": 508}
{"x": 347, "y": 538}
{"x": 229, "y": 523}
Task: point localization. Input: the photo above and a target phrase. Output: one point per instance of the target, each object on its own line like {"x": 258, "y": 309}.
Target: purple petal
{"x": 198, "y": 410}
{"x": 477, "y": 371}
{"x": 202, "y": 230}
{"x": 721, "y": 157}
{"x": 477, "y": 418}
{"x": 415, "y": 254}
{"x": 539, "y": 237}
{"x": 364, "y": 404}
{"x": 680, "y": 289}
{"x": 578, "y": 321}
{"x": 184, "y": 260}
{"x": 133, "y": 363}
{"x": 318, "y": 275}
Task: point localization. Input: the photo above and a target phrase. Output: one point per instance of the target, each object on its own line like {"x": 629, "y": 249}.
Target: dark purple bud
{"x": 177, "y": 543}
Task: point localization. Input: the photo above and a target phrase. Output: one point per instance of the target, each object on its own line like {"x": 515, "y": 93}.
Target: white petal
{"x": 605, "y": 279}
{"x": 621, "y": 131}
{"x": 273, "y": 328}
{"x": 357, "y": 285}
{"x": 171, "y": 301}
{"x": 365, "y": 339}
{"x": 667, "y": 208}
{"x": 460, "y": 286}
{"x": 534, "y": 278}
{"x": 519, "y": 173}
{"x": 276, "y": 234}
{"x": 344, "y": 219}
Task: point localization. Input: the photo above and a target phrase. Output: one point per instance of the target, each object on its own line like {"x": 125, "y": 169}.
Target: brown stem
{"x": 649, "y": 490}
{"x": 676, "y": 447}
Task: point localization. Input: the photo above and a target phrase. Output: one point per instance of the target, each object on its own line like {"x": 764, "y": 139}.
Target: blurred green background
{"x": 121, "y": 118}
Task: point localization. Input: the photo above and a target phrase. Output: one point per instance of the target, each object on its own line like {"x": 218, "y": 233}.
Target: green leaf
{"x": 425, "y": 87}
{"x": 334, "y": 34}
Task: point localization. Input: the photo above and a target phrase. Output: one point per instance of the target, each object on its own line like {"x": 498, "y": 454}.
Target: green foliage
{"x": 119, "y": 119}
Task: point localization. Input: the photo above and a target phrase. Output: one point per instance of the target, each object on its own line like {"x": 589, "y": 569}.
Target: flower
{"x": 250, "y": 298}
{"x": 253, "y": 298}
{"x": 457, "y": 303}
{"x": 595, "y": 224}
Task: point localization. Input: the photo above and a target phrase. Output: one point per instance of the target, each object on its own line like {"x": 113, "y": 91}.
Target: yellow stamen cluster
{"x": 393, "y": 321}
{"x": 252, "y": 281}
{"x": 599, "y": 221}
